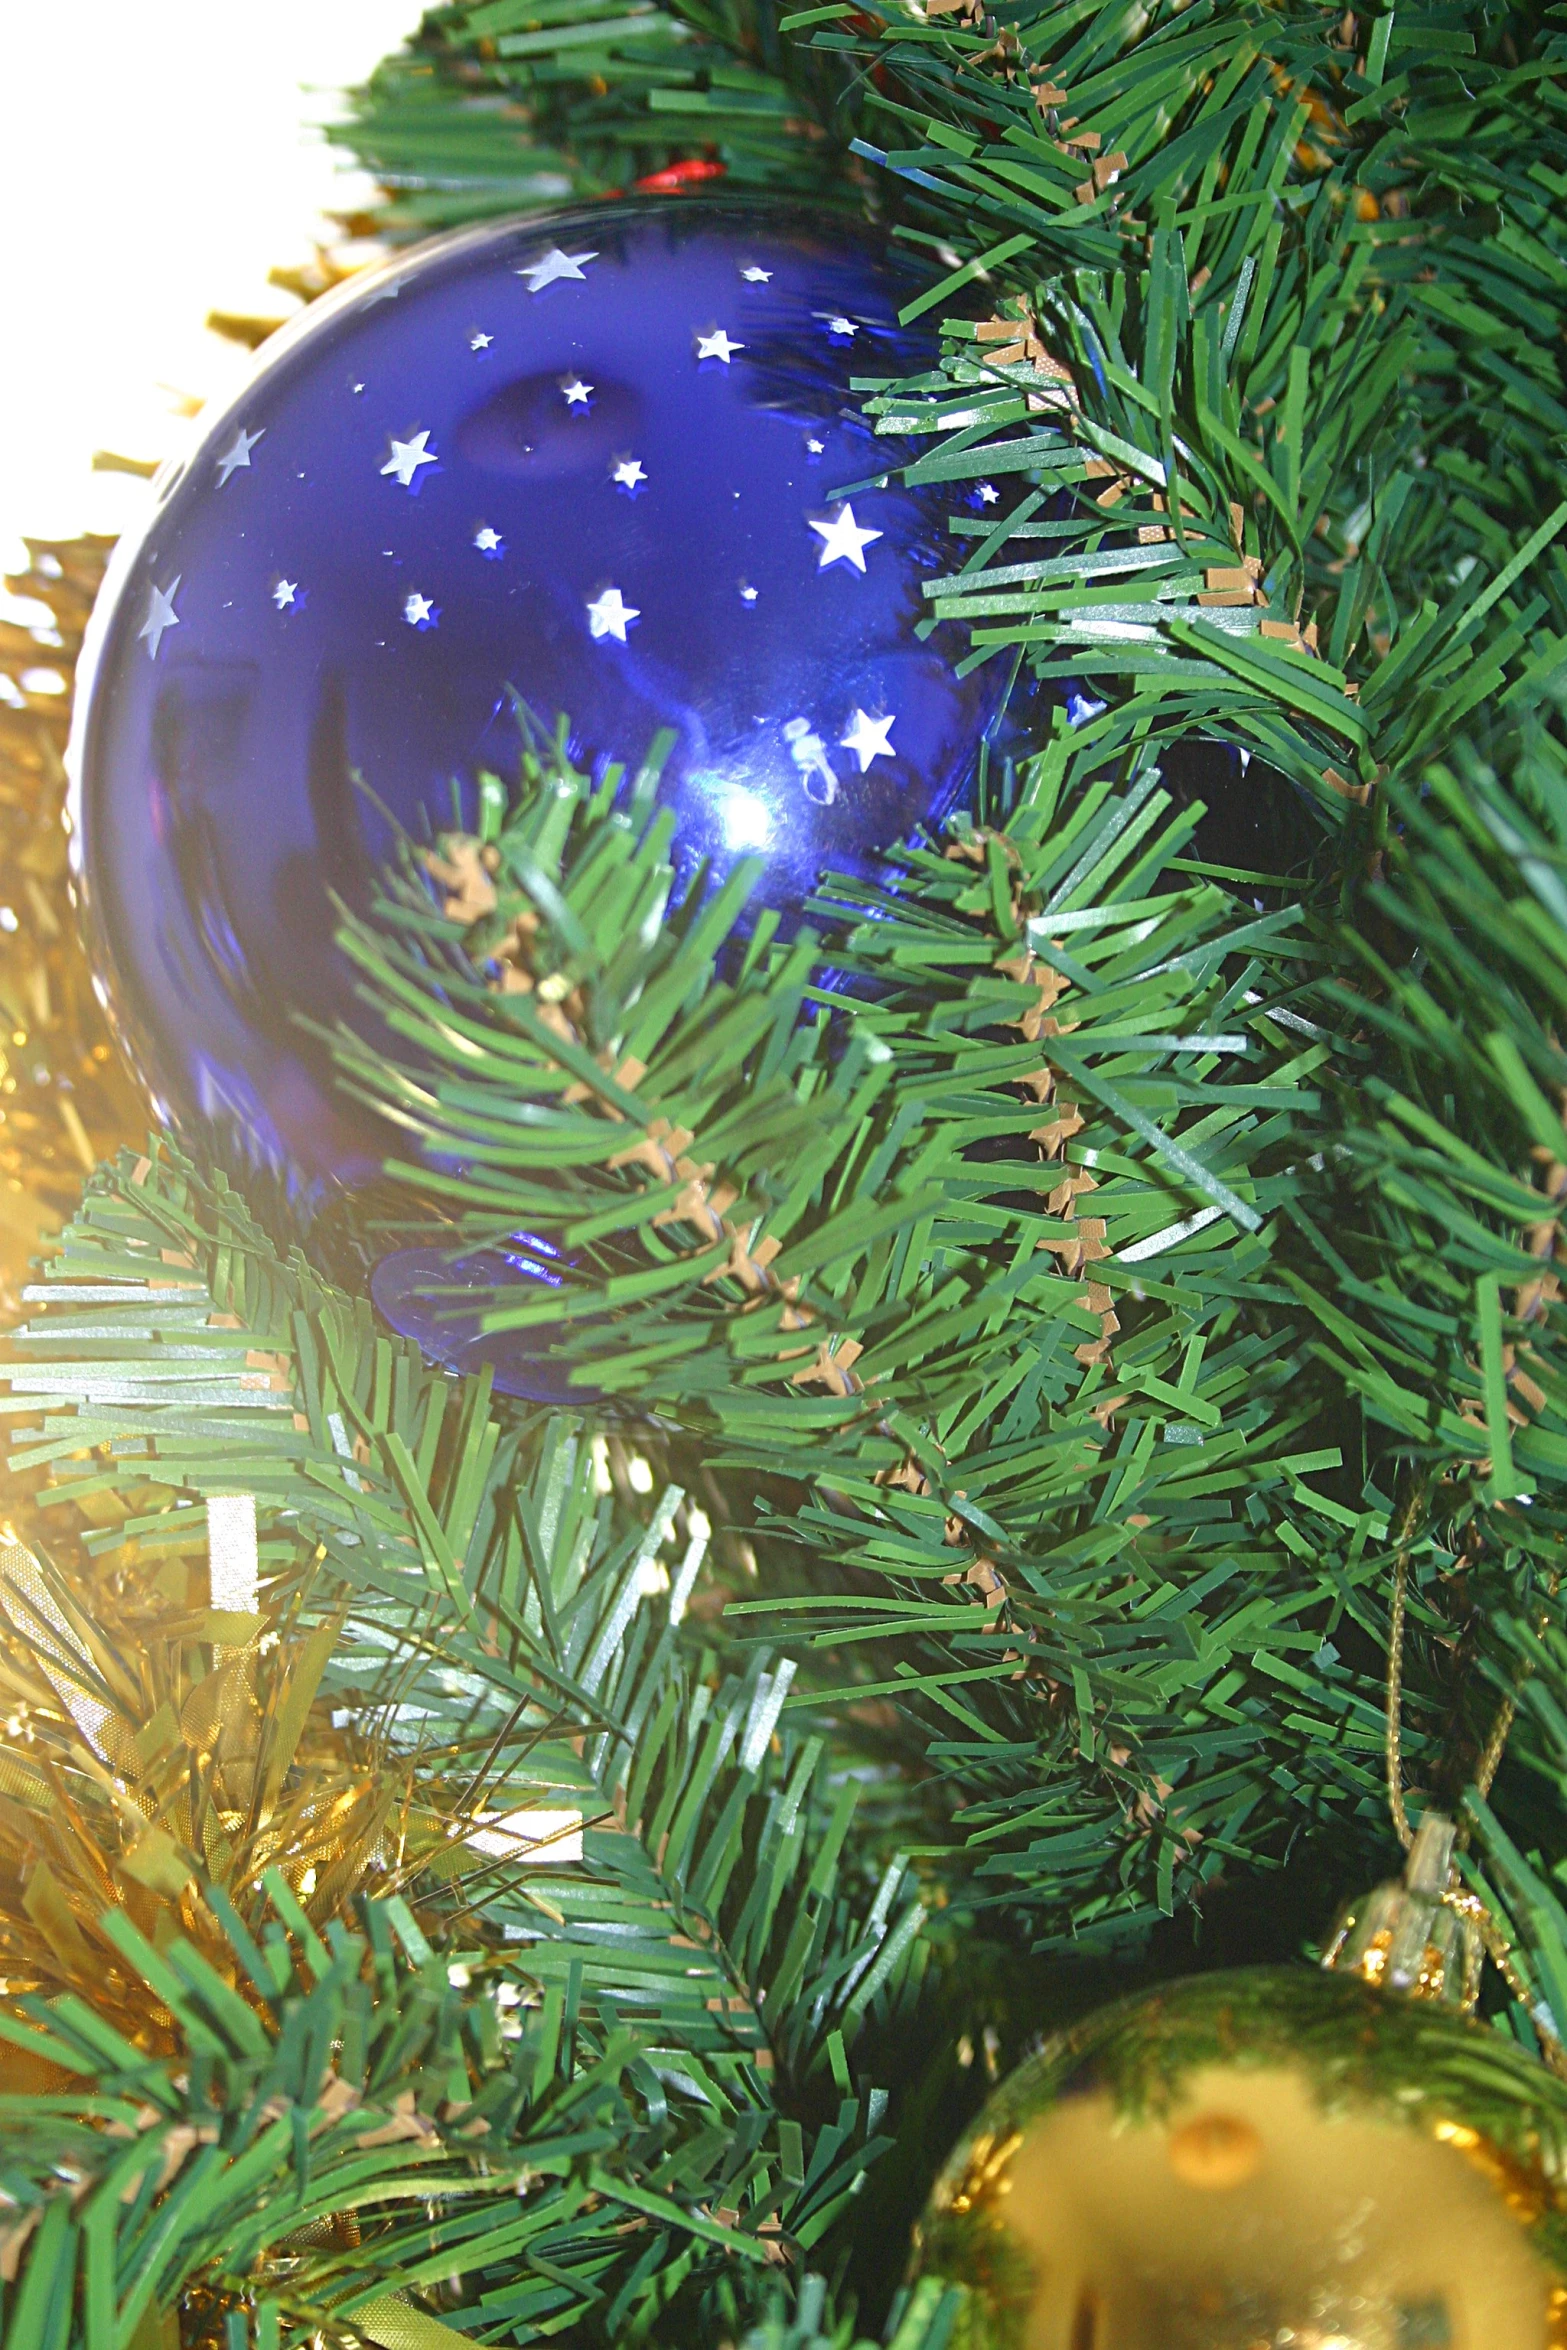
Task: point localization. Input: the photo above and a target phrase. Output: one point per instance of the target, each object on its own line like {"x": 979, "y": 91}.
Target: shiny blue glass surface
{"x": 599, "y": 464}
{"x": 439, "y": 1296}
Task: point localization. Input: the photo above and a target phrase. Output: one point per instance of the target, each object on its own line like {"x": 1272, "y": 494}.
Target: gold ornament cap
{"x": 1417, "y": 1934}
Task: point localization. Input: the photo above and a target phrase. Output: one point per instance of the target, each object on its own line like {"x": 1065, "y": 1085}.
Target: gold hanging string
{"x": 1490, "y": 1759}
{"x": 1457, "y": 1896}
{"x": 1499, "y": 1951}
{"x": 1414, "y": 1502}
{"x": 1497, "y": 1947}
{"x": 1395, "y": 1701}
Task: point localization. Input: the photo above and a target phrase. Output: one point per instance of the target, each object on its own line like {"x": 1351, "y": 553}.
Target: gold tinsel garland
{"x": 151, "y": 1750}
{"x": 159, "y": 1759}
{"x": 65, "y": 1098}
{"x": 173, "y": 1769}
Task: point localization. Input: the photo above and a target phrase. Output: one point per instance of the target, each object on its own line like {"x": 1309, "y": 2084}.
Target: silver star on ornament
{"x": 487, "y": 541}
{"x": 237, "y": 457}
{"x": 867, "y": 739}
{"x": 717, "y": 346}
{"x": 284, "y": 593}
{"x": 160, "y": 615}
{"x": 419, "y": 612}
{"x": 628, "y": 473}
{"x": 610, "y": 615}
{"x": 757, "y": 277}
{"x": 842, "y": 326}
{"x": 843, "y": 540}
{"x": 987, "y": 493}
{"x": 480, "y": 342}
{"x": 576, "y": 392}
{"x": 408, "y": 456}
{"x": 554, "y": 267}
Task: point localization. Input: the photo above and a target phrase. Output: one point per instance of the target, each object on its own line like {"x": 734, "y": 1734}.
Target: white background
{"x": 156, "y": 158}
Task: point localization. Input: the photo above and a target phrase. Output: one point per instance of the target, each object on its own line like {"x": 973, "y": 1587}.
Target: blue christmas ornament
{"x": 439, "y": 1296}
{"x": 607, "y": 464}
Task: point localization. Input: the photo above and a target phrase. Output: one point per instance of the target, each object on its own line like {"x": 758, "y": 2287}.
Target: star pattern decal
{"x": 160, "y": 615}
{"x": 867, "y": 739}
{"x": 843, "y": 539}
{"x": 610, "y": 615}
{"x": 236, "y": 457}
{"x": 407, "y": 457}
{"x": 987, "y": 493}
{"x": 811, "y": 729}
{"x": 555, "y": 268}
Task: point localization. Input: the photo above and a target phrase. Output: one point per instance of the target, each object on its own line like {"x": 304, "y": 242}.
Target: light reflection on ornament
{"x": 744, "y": 817}
{"x": 1260, "y": 2161}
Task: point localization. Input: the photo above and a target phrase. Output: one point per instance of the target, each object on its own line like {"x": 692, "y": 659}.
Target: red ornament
{"x": 676, "y": 176}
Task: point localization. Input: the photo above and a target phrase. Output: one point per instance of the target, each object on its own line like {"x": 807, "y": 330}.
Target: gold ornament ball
{"x": 1270, "y": 2160}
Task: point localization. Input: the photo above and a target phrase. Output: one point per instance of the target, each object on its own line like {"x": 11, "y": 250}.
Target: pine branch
{"x": 976, "y": 1398}
{"x": 354, "y": 2136}
{"x": 1094, "y": 1496}
{"x": 494, "y": 107}
{"x": 658, "y": 1868}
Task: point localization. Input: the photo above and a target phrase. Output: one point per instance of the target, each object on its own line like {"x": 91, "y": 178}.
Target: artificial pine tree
{"x": 1071, "y": 1432}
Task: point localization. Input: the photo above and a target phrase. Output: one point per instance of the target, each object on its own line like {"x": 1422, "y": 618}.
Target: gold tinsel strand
{"x": 159, "y": 1759}
{"x": 65, "y": 1099}
{"x": 150, "y": 1754}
